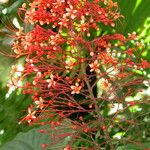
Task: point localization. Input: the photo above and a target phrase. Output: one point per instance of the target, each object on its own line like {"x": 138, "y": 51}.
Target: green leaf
{"x": 135, "y": 147}
{"x": 12, "y": 110}
{"x": 135, "y": 13}
{"x": 33, "y": 139}
{"x": 27, "y": 141}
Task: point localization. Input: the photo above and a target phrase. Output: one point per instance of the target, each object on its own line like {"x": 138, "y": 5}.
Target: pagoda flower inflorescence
{"x": 70, "y": 71}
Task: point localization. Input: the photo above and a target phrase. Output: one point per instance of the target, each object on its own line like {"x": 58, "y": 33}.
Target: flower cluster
{"x": 71, "y": 69}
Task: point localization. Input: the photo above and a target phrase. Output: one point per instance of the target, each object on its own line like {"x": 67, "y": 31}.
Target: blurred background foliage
{"x": 12, "y": 108}
{"x": 136, "y": 18}
{"x": 9, "y": 22}
{"x": 12, "y": 103}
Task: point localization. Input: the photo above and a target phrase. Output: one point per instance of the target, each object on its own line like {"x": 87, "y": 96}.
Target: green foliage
{"x": 30, "y": 140}
{"x": 33, "y": 140}
{"x": 145, "y": 146}
{"x": 11, "y": 111}
{"x": 8, "y": 12}
{"x": 136, "y": 18}
{"x": 11, "y": 11}
{"x": 135, "y": 13}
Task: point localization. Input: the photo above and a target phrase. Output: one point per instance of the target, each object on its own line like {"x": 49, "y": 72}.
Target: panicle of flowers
{"x": 63, "y": 12}
{"x": 71, "y": 74}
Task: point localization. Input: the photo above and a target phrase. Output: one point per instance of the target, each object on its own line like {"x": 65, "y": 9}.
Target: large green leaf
{"x": 135, "y": 13}
{"x": 12, "y": 109}
{"x": 144, "y": 146}
{"x": 33, "y": 139}
{"x": 136, "y": 18}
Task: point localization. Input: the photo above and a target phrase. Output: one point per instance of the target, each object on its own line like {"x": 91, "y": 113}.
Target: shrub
{"x": 78, "y": 68}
